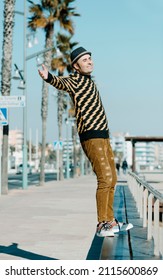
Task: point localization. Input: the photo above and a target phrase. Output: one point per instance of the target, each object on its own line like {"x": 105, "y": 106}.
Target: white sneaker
{"x": 120, "y": 226}
{"x": 104, "y": 230}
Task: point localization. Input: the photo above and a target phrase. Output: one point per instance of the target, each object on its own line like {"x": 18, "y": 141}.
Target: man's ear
{"x": 76, "y": 66}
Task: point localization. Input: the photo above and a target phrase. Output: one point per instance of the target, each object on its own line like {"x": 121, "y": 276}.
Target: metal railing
{"x": 149, "y": 203}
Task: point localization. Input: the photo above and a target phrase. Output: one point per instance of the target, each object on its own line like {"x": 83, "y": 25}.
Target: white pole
{"x": 0, "y": 159}
{"x": 57, "y": 161}
{"x": 67, "y": 138}
{"x": 25, "y": 177}
{"x": 36, "y": 155}
{"x": 30, "y": 146}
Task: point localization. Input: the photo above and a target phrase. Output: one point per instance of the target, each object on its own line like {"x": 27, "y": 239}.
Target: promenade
{"x": 58, "y": 221}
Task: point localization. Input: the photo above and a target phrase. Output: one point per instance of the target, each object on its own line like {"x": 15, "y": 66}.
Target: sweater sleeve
{"x": 62, "y": 83}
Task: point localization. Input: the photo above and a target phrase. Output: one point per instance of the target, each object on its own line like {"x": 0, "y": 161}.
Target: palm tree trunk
{"x": 9, "y": 6}
{"x": 60, "y": 121}
{"x": 44, "y": 108}
{"x": 44, "y": 114}
{"x": 74, "y": 132}
{"x": 43, "y": 150}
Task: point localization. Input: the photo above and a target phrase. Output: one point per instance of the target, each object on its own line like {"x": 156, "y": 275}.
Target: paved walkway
{"x": 58, "y": 221}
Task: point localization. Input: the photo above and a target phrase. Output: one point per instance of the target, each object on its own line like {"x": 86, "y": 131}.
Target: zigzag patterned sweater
{"x": 89, "y": 111}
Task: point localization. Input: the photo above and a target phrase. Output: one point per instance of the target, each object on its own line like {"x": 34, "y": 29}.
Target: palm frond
{"x": 31, "y": 2}
{"x": 36, "y": 10}
{"x": 37, "y": 22}
{"x": 67, "y": 24}
{"x": 49, "y": 4}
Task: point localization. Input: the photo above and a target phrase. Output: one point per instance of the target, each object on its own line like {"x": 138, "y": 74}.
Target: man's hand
{"x": 44, "y": 72}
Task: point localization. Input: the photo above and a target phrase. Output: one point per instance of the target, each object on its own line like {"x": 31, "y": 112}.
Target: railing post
{"x": 137, "y": 194}
{"x": 156, "y": 227}
{"x": 144, "y": 195}
{"x": 149, "y": 229}
{"x": 129, "y": 179}
{"x": 145, "y": 207}
{"x": 141, "y": 200}
{"x": 134, "y": 188}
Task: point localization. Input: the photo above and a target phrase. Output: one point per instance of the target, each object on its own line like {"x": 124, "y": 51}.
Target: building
{"x": 159, "y": 155}
{"x": 148, "y": 155}
{"x": 145, "y": 155}
{"x": 121, "y": 148}
{"x": 16, "y": 139}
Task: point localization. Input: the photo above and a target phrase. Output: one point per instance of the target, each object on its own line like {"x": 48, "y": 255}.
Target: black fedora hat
{"x": 77, "y": 53}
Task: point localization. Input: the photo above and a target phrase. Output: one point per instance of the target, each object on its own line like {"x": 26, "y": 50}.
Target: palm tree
{"x": 8, "y": 26}
{"x": 45, "y": 15}
{"x": 62, "y": 64}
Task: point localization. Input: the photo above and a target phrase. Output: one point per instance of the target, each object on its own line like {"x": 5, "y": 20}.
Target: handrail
{"x": 155, "y": 192}
{"x": 148, "y": 201}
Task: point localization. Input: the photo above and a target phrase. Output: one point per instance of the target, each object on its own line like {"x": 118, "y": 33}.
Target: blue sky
{"x": 126, "y": 41}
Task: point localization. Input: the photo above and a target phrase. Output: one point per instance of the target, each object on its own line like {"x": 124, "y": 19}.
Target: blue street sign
{"x": 3, "y": 116}
{"x": 58, "y": 145}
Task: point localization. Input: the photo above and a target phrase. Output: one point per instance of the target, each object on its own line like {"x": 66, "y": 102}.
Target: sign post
{"x": 3, "y": 116}
{"x": 0, "y": 160}
{"x": 6, "y": 102}
{"x": 58, "y": 146}
{"x": 3, "y": 121}
{"x": 12, "y": 101}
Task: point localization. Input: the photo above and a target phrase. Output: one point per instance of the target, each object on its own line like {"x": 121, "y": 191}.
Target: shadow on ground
{"x": 15, "y": 251}
{"x": 95, "y": 249}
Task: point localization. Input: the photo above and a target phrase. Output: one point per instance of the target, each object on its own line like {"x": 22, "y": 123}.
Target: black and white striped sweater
{"x": 89, "y": 111}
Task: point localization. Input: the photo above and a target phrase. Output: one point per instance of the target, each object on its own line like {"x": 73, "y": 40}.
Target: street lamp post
{"x": 24, "y": 79}
{"x": 24, "y": 87}
{"x": 67, "y": 141}
{"x": 82, "y": 162}
{"x": 25, "y": 181}
{"x": 67, "y": 150}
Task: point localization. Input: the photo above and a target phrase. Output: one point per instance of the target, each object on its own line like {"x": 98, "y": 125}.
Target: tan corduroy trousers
{"x": 101, "y": 156}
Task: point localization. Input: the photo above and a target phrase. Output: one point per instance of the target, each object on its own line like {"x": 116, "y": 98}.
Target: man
{"x": 93, "y": 132}
{"x": 124, "y": 166}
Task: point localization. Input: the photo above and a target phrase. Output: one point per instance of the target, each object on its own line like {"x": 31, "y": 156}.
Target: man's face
{"x": 84, "y": 64}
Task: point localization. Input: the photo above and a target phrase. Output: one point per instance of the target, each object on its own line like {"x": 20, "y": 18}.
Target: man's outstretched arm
{"x": 61, "y": 83}
{"x": 44, "y": 72}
